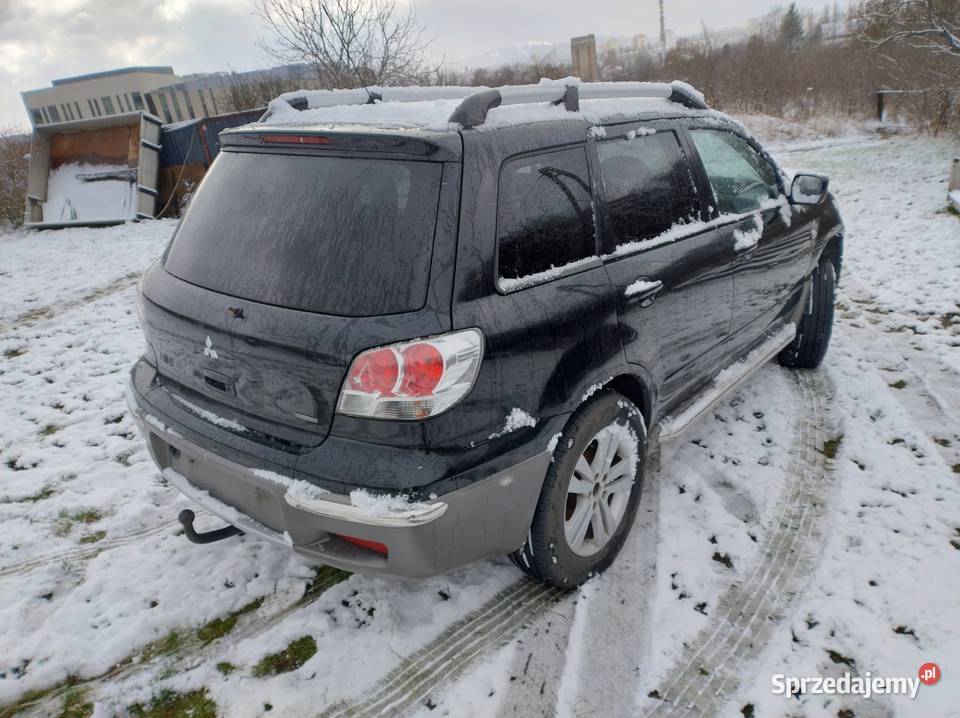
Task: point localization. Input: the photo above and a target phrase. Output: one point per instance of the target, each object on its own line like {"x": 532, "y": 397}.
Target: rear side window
{"x": 544, "y": 217}
{"x": 326, "y": 234}
{"x": 648, "y": 187}
{"x": 741, "y": 179}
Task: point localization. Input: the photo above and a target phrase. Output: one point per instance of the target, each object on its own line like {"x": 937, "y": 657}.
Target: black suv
{"x": 399, "y": 339}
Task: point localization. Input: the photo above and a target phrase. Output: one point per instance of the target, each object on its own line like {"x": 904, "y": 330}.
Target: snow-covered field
{"x": 809, "y": 527}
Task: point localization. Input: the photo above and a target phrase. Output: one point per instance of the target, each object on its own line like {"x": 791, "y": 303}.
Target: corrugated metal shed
{"x": 188, "y": 149}
{"x": 198, "y": 141}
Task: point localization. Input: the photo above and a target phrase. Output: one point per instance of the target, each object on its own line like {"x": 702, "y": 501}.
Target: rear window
{"x": 326, "y": 234}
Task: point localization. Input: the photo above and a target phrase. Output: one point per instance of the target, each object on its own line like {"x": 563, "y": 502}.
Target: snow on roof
{"x": 430, "y": 108}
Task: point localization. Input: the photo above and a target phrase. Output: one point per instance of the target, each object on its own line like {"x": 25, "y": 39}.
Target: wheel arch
{"x": 833, "y": 250}
{"x": 637, "y": 391}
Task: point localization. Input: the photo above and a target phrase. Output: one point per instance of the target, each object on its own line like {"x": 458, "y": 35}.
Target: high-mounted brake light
{"x": 412, "y": 380}
{"x": 295, "y": 139}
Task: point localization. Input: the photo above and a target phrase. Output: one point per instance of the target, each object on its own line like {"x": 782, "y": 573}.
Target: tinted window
{"x": 545, "y": 214}
{"x": 107, "y": 105}
{"x": 740, "y": 177}
{"x": 327, "y": 234}
{"x": 648, "y": 186}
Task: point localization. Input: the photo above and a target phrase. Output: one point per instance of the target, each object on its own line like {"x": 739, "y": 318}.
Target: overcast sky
{"x": 45, "y": 39}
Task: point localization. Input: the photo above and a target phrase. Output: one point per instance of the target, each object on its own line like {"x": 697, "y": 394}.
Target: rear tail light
{"x": 412, "y": 380}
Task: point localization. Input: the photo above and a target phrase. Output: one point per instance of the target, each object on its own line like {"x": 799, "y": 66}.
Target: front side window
{"x": 107, "y": 105}
{"x": 137, "y": 100}
{"x": 648, "y": 186}
{"x": 544, "y": 216}
{"x": 741, "y": 179}
{"x": 54, "y": 113}
{"x": 37, "y": 117}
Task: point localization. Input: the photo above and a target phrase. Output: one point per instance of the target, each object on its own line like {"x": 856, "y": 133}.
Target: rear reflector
{"x": 364, "y": 543}
{"x": 295, "y": 139}
{"x": 412, "y": 380}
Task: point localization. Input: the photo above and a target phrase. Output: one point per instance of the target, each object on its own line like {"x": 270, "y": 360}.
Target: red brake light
{"x": 422, "y": 369}
{"x": 295, "y": 139}
{"x": 375, "y": 372}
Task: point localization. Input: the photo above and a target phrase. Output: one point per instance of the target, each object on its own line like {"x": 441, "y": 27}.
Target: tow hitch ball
{"x": 186, "y": 518}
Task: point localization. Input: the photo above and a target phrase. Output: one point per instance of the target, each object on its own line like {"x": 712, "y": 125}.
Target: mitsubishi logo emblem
{"x": 208, "y": 350}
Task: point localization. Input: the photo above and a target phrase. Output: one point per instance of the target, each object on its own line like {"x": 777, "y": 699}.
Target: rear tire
{"x": 590, "y": 494}
{"x": 807, "y": 350}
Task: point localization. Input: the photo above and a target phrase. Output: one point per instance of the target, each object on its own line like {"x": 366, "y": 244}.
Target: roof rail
{"x": 472, "y": 111}
{"x": 310, "y": 100}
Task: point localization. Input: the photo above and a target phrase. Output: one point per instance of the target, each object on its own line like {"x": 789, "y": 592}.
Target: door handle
{"x": 644, "y": 290}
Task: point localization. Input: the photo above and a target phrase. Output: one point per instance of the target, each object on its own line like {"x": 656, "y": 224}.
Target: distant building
{"x": 157, "y": 90}
{"x": 95, "y": 95}
{"x": 583, "y": 53}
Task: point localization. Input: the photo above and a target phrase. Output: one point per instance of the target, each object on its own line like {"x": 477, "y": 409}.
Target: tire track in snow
{"x": 546, "y": 675}
{"x": 448, "y": 655}
{"x": 709, "y": 671}
{"x": 52, "y": 311}
{"x": 85, "y": 552}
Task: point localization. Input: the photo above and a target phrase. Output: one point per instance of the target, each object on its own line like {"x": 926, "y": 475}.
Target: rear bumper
{"x": 488, "y": 517}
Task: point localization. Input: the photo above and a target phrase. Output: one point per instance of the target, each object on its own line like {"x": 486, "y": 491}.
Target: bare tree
{"x": 931, "y": 25}
{"x": 14, "y": 151}
{"x": 381, "y": 39}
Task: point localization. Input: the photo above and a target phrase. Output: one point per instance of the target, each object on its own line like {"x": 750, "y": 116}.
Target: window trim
{"x": 620, "y": 131}
{"x": 576, "y": 267}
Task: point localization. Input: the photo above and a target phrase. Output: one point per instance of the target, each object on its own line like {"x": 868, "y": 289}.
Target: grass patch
{"x": 956, "y": 468}
{"x": 220, "y": 627}
{"x": 76, "y": 705}
{"x": 832, "y": 446}
{"x": 45, "y": 493}
{"x": 50, "y": 429}
{"x": 85, "y": 516}
{"x": 13, "y": 353}
{"x": 839, "y": 658}
{"x": 30, "y": 698}
{"x": 67, "y": 519}
{"x": 723, "y": 558}
{"x": 94, "y": 537}
{"x": 898, "y": 384}
{"x": 170, "y": 643}
{"x": 170, "y": 704}
{"x": 226, "y": 668}
{"x": 289, "y": 659}
{"x": 953, "y": 210}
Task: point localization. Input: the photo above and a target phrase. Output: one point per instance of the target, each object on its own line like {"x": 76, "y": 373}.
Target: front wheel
{"x": 590, "y": 494}
{"x": 807, "y": 350}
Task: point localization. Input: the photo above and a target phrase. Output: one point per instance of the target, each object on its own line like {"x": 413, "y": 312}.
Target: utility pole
{"x": 663, "y": 36}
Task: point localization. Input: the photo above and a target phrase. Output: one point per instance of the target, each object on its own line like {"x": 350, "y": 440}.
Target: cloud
{"x": 41, "y": 41}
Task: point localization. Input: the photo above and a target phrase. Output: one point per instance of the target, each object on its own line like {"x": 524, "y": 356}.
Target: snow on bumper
{"x": 485, "y": 518}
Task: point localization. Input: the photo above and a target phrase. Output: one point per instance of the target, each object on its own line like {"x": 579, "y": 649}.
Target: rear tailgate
{"x": 283, "y": 269}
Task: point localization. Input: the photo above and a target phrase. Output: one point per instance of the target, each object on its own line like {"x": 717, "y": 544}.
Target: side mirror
{"x": 808, "y": 188}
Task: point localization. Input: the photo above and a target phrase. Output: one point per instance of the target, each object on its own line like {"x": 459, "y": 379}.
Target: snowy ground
{"x": 810, "y": 526}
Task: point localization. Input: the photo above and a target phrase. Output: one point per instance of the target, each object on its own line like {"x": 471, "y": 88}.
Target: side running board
{"x": 726, "y": 381}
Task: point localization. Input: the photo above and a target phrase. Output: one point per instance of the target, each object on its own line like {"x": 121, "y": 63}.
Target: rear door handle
{"x": 644, "y": 290}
